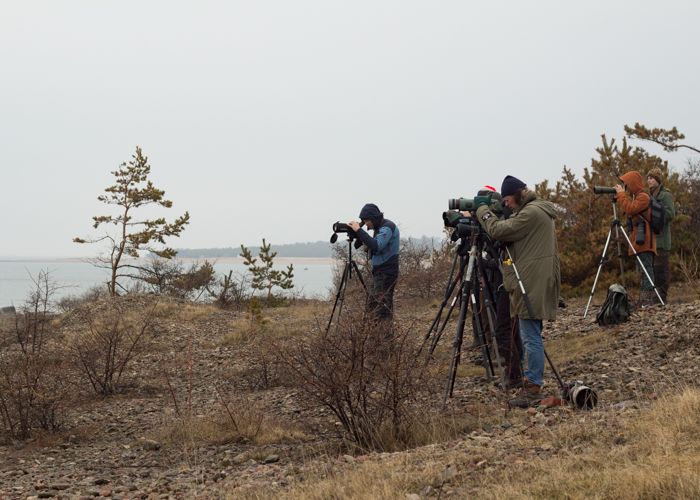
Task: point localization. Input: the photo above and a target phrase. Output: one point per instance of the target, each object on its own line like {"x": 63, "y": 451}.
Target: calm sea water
{"x": 16, "y": 278}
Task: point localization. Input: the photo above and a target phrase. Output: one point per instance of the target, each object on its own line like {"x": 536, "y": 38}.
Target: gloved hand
{"x": 482, "y": 200}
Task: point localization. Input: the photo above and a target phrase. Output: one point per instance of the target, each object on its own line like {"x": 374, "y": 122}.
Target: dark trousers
{"x": 510, "y": 346}
{"x": 381, "y": 296}
{"x": 662, "y": 272}
{"x": 647, "y": 260}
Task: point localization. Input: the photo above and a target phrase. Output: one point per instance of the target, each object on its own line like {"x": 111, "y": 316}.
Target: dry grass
{"x": 282, "y": 323}
{"x": 572, "y": 346}
{"x": 188, "y": 313}
{"x": 251, "y": 427}
{"x": 655, "y": 455}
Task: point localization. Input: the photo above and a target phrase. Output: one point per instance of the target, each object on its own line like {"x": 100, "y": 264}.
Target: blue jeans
{"x": 531, "y": 335}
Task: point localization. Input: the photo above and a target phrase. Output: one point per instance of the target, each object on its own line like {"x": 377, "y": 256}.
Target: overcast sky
{"x": 276, "y": 119}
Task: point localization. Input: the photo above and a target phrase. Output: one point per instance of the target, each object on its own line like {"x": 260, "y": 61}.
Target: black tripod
{"x": 347, "y": 274}
{"x": 616, "y": 224}
{"x": 474, "y": 285}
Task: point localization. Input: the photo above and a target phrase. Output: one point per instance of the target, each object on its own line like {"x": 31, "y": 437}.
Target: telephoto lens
{"x": 640, "y": 237}
{"x": 604, "y": 190}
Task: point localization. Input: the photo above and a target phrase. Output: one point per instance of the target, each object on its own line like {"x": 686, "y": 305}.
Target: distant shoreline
{"x": 279, "y": 261}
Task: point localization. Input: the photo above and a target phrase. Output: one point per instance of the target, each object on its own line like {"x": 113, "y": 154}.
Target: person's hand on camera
{"x": 619, "y": 188}
{"x": 354, "y": 225}
{"x": 480, "y": 201}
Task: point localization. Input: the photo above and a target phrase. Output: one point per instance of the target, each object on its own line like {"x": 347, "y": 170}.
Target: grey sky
{"x": 275, "y": 119}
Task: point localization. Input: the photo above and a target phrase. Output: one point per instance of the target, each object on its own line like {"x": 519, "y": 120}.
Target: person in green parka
{"x": 662, "y": 263}
{"x": 532, "y": 241}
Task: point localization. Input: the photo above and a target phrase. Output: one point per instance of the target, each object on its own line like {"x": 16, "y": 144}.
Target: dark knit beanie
{"x": 656, "y": 174}
{"x": 511, "y": 185}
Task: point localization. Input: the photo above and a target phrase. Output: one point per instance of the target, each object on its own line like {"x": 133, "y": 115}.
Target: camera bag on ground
{"x": 616, "y": 309}
{"x": 657, "y": 219}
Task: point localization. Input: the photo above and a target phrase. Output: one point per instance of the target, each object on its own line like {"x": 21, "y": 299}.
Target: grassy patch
{"x": 652, "y": 455}
{"x": 250, "y": 426}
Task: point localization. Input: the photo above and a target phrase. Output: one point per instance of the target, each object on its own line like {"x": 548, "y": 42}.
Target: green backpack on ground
{"x": 616, "y": 309}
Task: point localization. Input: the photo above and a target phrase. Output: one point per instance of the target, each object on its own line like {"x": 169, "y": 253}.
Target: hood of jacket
{"x": 371, "y": 212}
{"x": 634, "y": 182}
{"x": 548, "y": 207}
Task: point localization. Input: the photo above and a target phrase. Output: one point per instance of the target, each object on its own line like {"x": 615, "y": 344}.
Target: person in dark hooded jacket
{"x": 637, "y": 210}
{"x": 384, "y": 248}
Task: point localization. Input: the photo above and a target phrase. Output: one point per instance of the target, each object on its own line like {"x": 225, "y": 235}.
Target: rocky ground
{"x": 117, "y": 448}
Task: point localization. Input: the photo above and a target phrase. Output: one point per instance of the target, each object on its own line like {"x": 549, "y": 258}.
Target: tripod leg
{"x": 444, "y": 323}
{"x": 456, "y": 346}
{"x": 359, "y": 274}
{"x": 556, "y": 373}
{"x": 340, "y": 295}
{"x": 644, "y": 269}
{"x": 490, "y": 315}
{"x": 600, "y": 266}
{"x": 449, "y": 288}
{"x": 476, "y": 325}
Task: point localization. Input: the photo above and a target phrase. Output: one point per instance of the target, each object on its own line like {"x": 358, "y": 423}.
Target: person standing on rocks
{"x": 532, "y": 242}
{"x": 384, "y": 250}
{"x": 638, "y": 213}
{"x": 662, "y": 262}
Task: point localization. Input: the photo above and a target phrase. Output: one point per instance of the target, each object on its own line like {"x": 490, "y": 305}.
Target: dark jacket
{"x": 663, "y": 241}
{"x": 385, "y": 243}
{"x": 635, "y": 209}
{"x": 533, "y": 246}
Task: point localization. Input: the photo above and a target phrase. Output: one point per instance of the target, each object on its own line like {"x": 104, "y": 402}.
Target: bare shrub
{"x": 92, "y": 294}
{"x": 177, "y": 279}
{"x": 108, "y": 337}
{"x": 32, "y": 373}
{"x": 231, "y": 291}
{"x": 424, "y": 267}
{"x": 365, "y": 375}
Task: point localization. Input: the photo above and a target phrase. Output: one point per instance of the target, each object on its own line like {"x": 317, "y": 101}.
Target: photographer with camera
{"x": 384, "y": 252}
{"x": 639, "y": 230}
{"x": 532, "y": 242}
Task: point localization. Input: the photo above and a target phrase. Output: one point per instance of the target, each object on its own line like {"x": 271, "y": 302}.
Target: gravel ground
{"x": 107, "y": 449}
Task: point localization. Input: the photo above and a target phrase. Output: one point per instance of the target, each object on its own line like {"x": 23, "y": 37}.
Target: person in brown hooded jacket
{"x": 638, "y": 213}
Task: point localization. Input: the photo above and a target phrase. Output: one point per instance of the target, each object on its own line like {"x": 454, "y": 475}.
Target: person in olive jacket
{"x": 662, "y": 263}
{"x": 532, "y": 241}
{"x": 638, "y": 212}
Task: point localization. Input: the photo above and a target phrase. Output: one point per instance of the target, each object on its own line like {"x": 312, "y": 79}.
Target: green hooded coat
{"x": 533, "y": 247}
{"x": 663, "y": 241}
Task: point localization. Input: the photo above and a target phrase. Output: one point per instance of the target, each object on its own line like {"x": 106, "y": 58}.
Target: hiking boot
{"x": 529, "y": 395}
{"x": 514, "y": 383}
{"x": 646, "y": 299}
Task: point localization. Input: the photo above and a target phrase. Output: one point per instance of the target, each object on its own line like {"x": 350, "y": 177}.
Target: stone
{"x": 270, "y": 459}
{"x": 349, "y": 459}
{"x": 151, "y": 445}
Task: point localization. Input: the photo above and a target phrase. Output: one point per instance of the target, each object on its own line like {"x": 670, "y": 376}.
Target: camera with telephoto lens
{"x": 469, "y": 205}
{"x": 461, "y": 204}
{"x": 603, "y": 190}
{"x": 453, "y": 217}
{"x": 342, "y": 227}
{"x": 465, "y": 229}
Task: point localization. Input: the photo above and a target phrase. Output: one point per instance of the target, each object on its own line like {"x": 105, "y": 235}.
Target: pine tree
{"x": 264, "y": 276}
{"x": 128, "y": 194}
